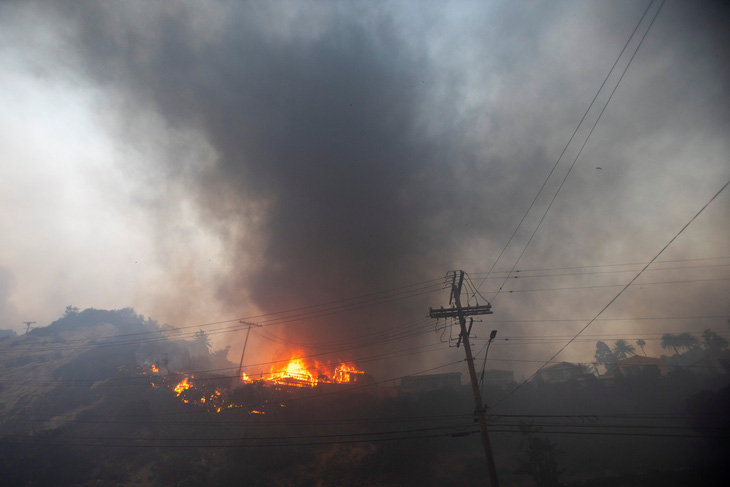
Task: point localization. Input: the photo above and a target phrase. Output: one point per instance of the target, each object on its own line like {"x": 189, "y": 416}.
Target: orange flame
{"x": 182, "y": 386}
{"x": 295, "y": 373}
{"x": 345, "y": 373}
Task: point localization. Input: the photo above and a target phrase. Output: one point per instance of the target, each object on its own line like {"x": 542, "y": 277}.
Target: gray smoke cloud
{"x": 339, "y": 148}
{"x": 321, "y": 133}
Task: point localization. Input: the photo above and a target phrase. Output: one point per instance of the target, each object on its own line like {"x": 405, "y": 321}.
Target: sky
{"x": 211, "y": 161}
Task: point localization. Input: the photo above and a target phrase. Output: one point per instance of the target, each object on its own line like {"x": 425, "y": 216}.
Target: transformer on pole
{"x": 457, "y": 311}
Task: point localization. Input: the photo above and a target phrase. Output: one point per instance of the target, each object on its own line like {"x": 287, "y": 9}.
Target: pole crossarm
{"x": 452, "y": 312}
{"x": 457, "y": 311}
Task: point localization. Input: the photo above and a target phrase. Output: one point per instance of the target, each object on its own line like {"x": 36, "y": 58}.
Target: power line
{"x": 640, "y": 318}
{"x": 622, "y": 290}
{"x": 259, "y": 443}
{"x": 570, "y": 140}
{"x": 522, "y": 276}
{"x": 600, "y": 114}
{"x": 357, "y": 302}
{"x": 602, "y": 265}
{"x": 576, "y": 288}
{"x": 162, "y": 335}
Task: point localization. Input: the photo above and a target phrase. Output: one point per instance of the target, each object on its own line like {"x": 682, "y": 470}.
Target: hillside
{"x": 109, "y": 398}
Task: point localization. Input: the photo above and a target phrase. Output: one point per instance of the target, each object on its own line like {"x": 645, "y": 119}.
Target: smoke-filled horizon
{"x": 208, "y": 161}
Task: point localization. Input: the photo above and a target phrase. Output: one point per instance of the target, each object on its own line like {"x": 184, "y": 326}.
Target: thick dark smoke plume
{"x": 333, "y": 149}
{"x": 319, "y": 134}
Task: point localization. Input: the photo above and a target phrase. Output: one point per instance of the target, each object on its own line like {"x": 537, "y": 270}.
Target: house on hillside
{"x": 564, "y": 372}
{"x": 638, "y": 364}
{"x": 701, "y": 361}
{"x": 707, "y": 363}
{"x": 432, "y": 382}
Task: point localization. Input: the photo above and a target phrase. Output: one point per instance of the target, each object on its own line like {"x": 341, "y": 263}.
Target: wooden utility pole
{"x": 240, "y": 365}
{"x": 462, "y": 313}
{"x": 27, "y": 325}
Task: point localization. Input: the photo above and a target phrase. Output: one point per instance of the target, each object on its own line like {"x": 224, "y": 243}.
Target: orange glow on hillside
{"x": 296, "y": 372}
{"x": 182, "y": 386}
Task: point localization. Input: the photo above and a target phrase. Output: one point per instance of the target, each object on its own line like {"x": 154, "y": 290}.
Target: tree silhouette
{"x": 688, "y": 341}
{"x": 604, "y": 355}
{"x": 682, "y": 340}
{"x": 713, "y": 342}
{"x": 201, "y": 342}
{"x": 622, "y": 349}
{"x": 640, "y": 342}
{"x": 71, "y": 311}
{"x": 670, "y": 341}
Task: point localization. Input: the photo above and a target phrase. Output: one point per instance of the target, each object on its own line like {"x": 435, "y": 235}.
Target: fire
{"x": 345, "y": 373}
{"x": 296, "y": 372}
{"x": 182, "y": 386}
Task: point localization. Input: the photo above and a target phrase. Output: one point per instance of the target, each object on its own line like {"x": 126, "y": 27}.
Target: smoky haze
{"x": 323, "y": 181}
{"x": 282, "y": 155}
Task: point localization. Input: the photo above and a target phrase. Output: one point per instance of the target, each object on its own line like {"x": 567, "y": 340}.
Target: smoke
{"x": 289, "y": 154}
{"x": 8, "y": 314}
{"x": 322, "y": 179}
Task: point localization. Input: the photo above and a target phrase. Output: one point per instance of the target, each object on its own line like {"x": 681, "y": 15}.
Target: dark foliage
{"x": 124, "y": 319}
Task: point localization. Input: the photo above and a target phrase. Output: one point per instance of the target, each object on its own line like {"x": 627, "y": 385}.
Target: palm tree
{"x": 670, "y": 341}
{"x": 714, "y": 342}
{"x": 622, "y": 349}
{"x": 688, "y": 341}
{"x": 640, "y": 342}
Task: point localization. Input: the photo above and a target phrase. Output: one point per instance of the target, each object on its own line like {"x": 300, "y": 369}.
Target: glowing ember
{"x": 154, "y": 368}
{"x": 182, "y": 386}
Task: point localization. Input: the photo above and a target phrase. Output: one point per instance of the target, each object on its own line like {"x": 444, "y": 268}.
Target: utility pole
{"x": 27, "y": 325}
{"x": 462, "y": 313}
{"x": 240, "y": 366}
